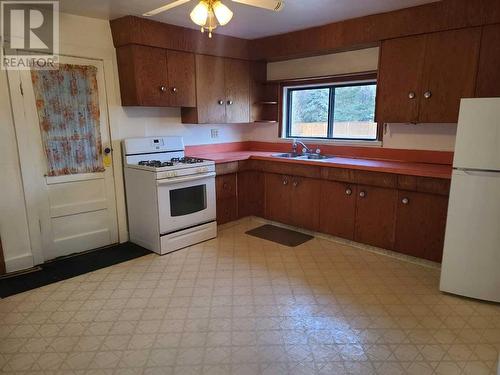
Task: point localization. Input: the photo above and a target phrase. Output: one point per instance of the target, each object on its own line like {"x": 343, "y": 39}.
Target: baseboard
{"x": 19, "y": 263}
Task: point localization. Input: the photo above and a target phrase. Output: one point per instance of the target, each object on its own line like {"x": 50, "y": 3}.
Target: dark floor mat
{"x": 279, "y": 235}
{"x": 65, "y": 268}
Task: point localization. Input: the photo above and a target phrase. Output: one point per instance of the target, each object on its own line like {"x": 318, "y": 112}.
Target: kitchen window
{"x": 331, "y": 111}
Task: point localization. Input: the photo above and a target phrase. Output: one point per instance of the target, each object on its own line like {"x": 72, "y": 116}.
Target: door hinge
{"x": 21, "y": 88}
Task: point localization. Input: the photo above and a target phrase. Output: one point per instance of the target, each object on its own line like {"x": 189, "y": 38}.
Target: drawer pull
{"x": 411, "y": 95}
{"x": 285, "y": 181}
{"x": 348, "y": 191}
{"x": 405, "y": 201}
{"x": 362, "y": 194}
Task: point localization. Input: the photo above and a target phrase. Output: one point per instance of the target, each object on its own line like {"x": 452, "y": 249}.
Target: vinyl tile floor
{"x": 241, "y": 305}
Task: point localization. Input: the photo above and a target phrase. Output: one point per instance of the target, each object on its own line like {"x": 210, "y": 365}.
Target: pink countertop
{"x": 387, "y": 166}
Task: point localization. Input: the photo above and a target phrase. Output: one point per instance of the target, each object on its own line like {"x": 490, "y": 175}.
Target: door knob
{"x": 295, "y": 183}
{"x": 285, "y": 181}
{"x": 221, "y": 102}
{"x": 411, "y": 95}
{"x": 405, "y": 201}
{"x": 107, "y": 150}
{"x": 348, "y": 191}
{"x": 362, "y": 194}
{"x": 163, "y": 88}
{"x": 229, "y": 102}
{"x": 427, "y": 94}
{"x": 174, "y": 89}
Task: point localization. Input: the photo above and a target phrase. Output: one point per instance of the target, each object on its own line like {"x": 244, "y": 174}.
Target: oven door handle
{"x": 177, "y": 180}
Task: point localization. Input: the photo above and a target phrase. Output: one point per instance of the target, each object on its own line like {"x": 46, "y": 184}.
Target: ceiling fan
{"x": 210, "y": 13}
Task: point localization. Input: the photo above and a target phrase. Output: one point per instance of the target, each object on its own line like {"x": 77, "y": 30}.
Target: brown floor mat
{"x": 279, "y": 235}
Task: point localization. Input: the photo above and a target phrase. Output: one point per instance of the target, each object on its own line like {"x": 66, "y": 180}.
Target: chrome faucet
{"x": 305, "y": 149}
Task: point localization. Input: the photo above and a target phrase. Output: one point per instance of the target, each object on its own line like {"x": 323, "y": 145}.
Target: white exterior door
{"x": 66, "y": 213}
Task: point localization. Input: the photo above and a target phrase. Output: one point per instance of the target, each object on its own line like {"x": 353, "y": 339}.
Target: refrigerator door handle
{"x": 478, "y": 172}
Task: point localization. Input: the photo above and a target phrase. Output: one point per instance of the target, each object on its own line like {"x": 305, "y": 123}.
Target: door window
{"x": 67, "y": 103}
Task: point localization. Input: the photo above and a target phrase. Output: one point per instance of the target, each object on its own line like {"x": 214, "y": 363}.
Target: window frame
{"x": 287, "y": 88}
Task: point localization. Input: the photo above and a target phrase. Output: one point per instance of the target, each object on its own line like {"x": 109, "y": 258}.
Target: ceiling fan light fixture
{"x": 200, "y": 13}
{"x": 222, "y": 13}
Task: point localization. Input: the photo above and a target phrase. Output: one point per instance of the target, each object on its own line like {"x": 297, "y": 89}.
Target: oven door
{"x": 186, "y": 201}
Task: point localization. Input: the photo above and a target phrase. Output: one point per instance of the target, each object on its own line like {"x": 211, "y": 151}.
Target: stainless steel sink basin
{"x": 288, "y": 155}
{"x": 316, "y": 157}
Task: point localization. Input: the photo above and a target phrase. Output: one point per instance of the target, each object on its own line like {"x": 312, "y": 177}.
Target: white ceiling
{"x": 248, "y": 22}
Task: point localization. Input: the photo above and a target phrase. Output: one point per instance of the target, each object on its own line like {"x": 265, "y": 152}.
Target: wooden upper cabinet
{"x": 488, "y": 77}
{"x": 400, "y": 70}
{"x": 181, "y": 78}
{"x": 155, "y": 77}
{"x": 222, "y": 92}
{"x": 423, "y": 78}
{"x": 237, "y": 84}
{"x": 450, "y": 70}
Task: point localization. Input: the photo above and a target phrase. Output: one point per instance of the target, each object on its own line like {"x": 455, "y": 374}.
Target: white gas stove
{"x": 170, "y": 197}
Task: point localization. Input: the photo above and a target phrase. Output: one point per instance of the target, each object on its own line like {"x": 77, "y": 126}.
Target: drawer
{"x": 338, "y": 174}
{"x": 387, "y": 180}
{"x": 226, "y": 168}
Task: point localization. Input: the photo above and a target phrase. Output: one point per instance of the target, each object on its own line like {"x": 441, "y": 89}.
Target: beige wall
{"x": 363, "y": 60}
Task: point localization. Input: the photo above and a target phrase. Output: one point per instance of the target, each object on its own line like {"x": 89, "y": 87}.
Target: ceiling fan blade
{"x": 275, "y": 5}
{"x": 165, "y": 7}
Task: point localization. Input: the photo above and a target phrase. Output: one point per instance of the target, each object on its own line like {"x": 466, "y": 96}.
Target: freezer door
{"x": 478, "y": 135}
{"x": 471, "y": 259}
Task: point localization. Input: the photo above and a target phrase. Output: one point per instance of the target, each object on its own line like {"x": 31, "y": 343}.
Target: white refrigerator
{"x": 471, "y": 259}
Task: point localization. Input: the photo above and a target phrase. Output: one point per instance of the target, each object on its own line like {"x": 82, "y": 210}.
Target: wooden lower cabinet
{"x": 375, "y": 216}
{"x": 293, "y": 200}
{"x": 278, "y": 202}
{"x": 304, "y": 207}
{"x": 227, "y": 199}
{"x": 420, "y": 224}
{"x": 251, "y": 193}
{"x": 337, "y": 209}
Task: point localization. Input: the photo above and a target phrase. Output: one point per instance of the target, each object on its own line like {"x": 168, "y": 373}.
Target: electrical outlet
{"x": 214, "y": 133}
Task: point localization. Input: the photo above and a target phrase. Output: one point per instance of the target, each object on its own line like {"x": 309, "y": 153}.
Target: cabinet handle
{"x": 174, "y": 90}
{"x": 221, "y": 102}
{"x": 348, "y": 191}
{"x": 285, "y": 181}
{"x": 295, "y": 183}
{"x": 362, "y": 194}
{"x": 405, "y": 201}
{"x": 163, "y": 88}
{"x": 411, "y": 95}
{"x": 427, "y": 94}
{"x": 229, "y": 102}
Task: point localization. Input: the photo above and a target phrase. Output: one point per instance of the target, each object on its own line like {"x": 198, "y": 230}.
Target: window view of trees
{"x": 352, "y": 116}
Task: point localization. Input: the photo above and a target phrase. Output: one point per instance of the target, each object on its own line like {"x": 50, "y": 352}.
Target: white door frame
{"x": 32, "y": 158}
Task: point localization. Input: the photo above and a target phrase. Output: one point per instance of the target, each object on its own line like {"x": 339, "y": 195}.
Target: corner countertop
{"x": 377, "y": 165}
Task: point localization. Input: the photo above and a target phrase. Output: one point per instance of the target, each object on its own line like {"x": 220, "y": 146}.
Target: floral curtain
{"x": 67, "y": 103}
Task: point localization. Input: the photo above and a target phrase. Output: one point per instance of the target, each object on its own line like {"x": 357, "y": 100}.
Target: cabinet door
{"x": 375, "y": 216}
{"x": 450, "y": 70}
{"x": 237, "y": 82}
{"x": 143, "y": 76}
{"x": 210, "y": 92}
{"x": 181, "y": 79}
{"x": 488, "y": 76}
{"x": 304, "y": 205}
{"x": 225, "y": 186}
{"x": 278, "y": 197}
{"x": 337, "y": 209}
{"x": 226, "y": 195}
{"x": 250, "y": 193}
{"x": 420, "y": 224}
{"x": 400, "y": 70}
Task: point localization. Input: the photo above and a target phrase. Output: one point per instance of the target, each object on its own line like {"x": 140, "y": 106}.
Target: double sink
{"x": 307, "y": 156}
